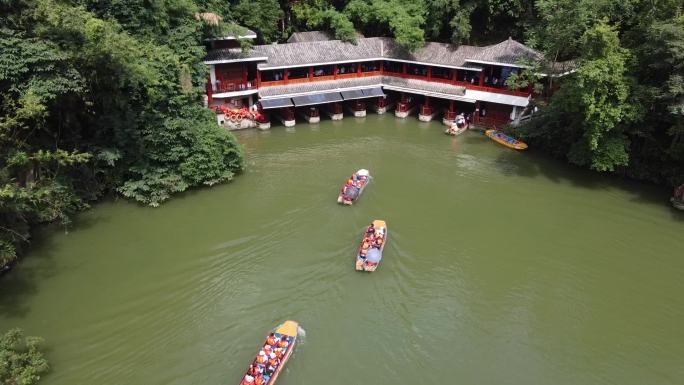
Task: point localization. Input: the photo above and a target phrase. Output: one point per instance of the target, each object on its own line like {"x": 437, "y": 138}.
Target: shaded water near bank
{"x": 501, "y": 268}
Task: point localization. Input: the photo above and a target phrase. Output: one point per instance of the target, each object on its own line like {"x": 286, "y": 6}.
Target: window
{"x": 469, "y": 76}
{"x": 269, "y": 76}
{"x": 323, "y": 71}
{"x": 441, "y": 73}
{"x": 417, "y": 70}
{"x": 393, "y": 66}
{"x": 348, "y": 68}
{"x": 370, "y": 66}
{"x": 297, "y": 73}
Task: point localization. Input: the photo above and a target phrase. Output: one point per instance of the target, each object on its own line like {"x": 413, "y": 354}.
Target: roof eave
{"x": 226, "y": 61}
{"x": 497, "y": 63}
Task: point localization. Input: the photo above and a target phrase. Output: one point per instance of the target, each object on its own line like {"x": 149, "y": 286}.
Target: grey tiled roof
{"x": 336, "y": 51}
{"x": 327, "y": 51}
{"x": 340, "y": 84}
{"x": 508, "y": 51}
{"x": 299, "y": 37}
{"x": 228, "y": 54}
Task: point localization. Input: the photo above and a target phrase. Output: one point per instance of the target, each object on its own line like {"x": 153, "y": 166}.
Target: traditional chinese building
{"x": 312, "y": 73}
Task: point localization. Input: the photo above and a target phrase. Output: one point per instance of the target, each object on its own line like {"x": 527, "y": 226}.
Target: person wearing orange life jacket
{"x": 283, "y": 343}
{"x": 261, "y": 358}
{"x": 274, "y": 361}
{"x": 259, "y": 380}
{"x": 247, "y": 380}
{"x": 271, "y": 339}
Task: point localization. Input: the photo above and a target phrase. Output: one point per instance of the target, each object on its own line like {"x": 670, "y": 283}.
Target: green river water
{"x": 502, "y": 267}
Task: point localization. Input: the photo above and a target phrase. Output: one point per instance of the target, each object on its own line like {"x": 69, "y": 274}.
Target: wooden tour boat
{"x": 505, "y": 140}
{"x": 349, "y": 194}
{"x": 454, "y": 129}
{"x": 286, "y": 332}
{"x": 370, "y": 253}
{"x": 679, "y": 205}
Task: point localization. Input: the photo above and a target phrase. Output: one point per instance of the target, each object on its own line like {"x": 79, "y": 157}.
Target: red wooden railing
{"x": 233, "y": 85}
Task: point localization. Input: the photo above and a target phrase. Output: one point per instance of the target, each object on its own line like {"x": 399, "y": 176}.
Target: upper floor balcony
{"x": 477, "y": 79}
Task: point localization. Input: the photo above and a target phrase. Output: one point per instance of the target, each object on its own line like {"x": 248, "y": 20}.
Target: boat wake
{"x": 301, "y": 335}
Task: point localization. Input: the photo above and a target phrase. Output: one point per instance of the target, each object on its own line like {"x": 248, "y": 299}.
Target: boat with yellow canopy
{"x": 505, "y": 140}
{"x": 272, "y": 356}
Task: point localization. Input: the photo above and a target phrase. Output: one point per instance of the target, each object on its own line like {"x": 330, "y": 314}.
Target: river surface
{"x": 502, "y": 267}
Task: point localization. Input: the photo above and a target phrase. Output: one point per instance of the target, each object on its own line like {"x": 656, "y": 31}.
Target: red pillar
{"x": 426, "y": 110}
{"x": 404, "y": 69}
{"x": 285, "y": 74}
{"x": 334, "y": 71}
{"x": 358, "y": 69}
{"x": 481, "y": 78}
{"x": 454, "y": 75}
{"x": 382, "y": 67}
{"x": 429, "y": 73}
{"x": 258, "y": 79}
{"x": 209, "y": 91}
{"x": 476, "y": 118}
{"x": 310, "y": 73}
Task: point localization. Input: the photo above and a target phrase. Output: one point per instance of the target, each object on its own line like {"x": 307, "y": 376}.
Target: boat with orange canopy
{"x": 272, "y": 356}
{"x": 373, "y": 243}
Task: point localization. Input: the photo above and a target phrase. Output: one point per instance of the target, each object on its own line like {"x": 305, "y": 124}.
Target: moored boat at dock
{"x": 272, "y": 356}
{"x": 458, "y": 126}
{"x": 373, "y": 243}
{"x": 505, "y": 140}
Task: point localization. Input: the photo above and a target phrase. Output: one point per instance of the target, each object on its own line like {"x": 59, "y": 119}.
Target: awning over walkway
{"x": 275, "y": 103}
{"x": 353, "y": 94}
{"x": 430, "y": 94}
{"x": 371, "y": 92}
{"x": 492, "y": 97}
{"x": 307, "y": 100}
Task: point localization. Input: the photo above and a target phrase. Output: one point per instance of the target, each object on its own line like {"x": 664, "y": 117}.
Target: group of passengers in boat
{"x": 268, "y": 360}
{"x": 460, "y": 123}
{"x": 352, "y": 187}
{"x": 374, "y": 238}
{"x": 505, "y": 137}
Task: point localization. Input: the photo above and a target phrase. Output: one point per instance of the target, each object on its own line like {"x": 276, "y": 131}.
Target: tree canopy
{"x": 98, "y": 97}
{"x": 21, "y": 361}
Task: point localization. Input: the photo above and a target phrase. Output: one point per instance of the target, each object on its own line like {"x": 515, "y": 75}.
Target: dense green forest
{"x": 101, "y": 97}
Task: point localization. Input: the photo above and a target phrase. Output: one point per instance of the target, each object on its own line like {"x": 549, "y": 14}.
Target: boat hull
{"x": 341, "y": 200}
{"x": 361, "y": 264}
{"x": 456, "y": 131}
{"x": 287, "y": 328}
{"x": 677, "y": 204}
{"x": 516, "y": 145}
